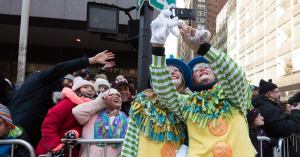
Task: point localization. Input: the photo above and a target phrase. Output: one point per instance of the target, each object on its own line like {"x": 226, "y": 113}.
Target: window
{"x": 203, "y": 1}
{"x": 201, "y": 13}
{"x": 201, "y": 6}
{"x": 200, "y": 27}
{"x": 201, "y": 20}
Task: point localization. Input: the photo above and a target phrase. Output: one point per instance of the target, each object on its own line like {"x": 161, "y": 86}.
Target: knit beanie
{"x": 78, "y": 82}
{"x": 265, "y": 86}
{"x": 100, "y": 81}
{"x": 119, "y": 82}
{"x": 251, "y": 115}
{"x": 5, "y": 114}
{"x": 295, "y": 98}
{"x": 69, "y": 77}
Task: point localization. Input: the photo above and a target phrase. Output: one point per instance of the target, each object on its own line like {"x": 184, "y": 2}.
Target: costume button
{"x": 220, "y": 128}
{"x": 222, "y": 149}
{"x": 168, "y": 150}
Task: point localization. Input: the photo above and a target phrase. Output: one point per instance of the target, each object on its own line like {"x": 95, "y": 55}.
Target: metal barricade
{"x": 14, "y": 142}
{"x": 261, "y": 139}
{"x": 87, "y": 142}
{"x": 286, "y": 147}
{"x": 290, "y": 146}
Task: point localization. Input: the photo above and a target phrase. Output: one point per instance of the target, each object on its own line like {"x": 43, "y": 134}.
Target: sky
{"x": 171, "y": 43}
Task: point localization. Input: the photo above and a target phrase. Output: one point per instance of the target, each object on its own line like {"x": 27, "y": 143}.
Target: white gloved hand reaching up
{"x": 194, "y": 38}
{"x": 162, "y": 25}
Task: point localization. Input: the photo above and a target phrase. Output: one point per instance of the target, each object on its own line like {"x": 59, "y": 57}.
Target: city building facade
{"x": 264, "y": 37}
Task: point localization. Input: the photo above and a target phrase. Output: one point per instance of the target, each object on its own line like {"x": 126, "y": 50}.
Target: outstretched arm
{"x": 231, "y": 76}
{"x": 162, "y": 83}
{"x": 227, "y": 71}
{"x": 61, "y": 69}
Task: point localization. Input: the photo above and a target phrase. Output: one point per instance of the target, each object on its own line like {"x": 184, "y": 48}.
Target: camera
{"x": 183, "y": 13}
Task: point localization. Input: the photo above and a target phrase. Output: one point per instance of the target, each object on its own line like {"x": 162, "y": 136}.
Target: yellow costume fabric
{"x": 201, "y": 140}
{"x": 149, "y": 148}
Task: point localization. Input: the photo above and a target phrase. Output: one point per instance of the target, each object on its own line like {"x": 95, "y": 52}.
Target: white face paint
{"x": 176, "y": 75}
{"x": 202, "y": 74}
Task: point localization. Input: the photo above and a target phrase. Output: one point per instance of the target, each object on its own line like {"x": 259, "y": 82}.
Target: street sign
{"x": 161, "y": 4}
{"x": 139, "y": 4}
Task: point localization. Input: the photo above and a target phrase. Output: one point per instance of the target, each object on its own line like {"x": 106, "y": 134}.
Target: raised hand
{"x": 194, "y": 38}
{"x": 102, "y": 57}
{"x": 109, "y": 65}
{"x": 161, "y": 27}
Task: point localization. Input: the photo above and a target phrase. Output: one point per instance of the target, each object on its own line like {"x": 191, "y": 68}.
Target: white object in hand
{"x": 161, "y": 27}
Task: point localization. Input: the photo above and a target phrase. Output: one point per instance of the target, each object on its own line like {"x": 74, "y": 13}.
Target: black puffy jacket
{"x": 277, "y": 123}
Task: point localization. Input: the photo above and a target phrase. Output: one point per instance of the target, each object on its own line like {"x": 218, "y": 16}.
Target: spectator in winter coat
{"x": 30, "y": 103}
{"x": 102, "y": 119}
{"x": 9, "y": 131}
{"x": 68, "y": 81}
{"x": 121, "y": 84}
{"x": 102, "y": 85}
{"x": 295, "y": 99}
{"x": 277, "y": 123}
{"x": 255, "y": 121}
{"x": 255, "y": 91}
{"x": 60, "y": 121}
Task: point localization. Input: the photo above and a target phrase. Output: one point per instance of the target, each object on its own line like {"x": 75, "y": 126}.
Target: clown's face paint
{"x": 202, "y": 74}
{"x": 176, "y": 75}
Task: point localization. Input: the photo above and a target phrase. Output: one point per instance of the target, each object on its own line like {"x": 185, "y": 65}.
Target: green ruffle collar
{"x": 155, "y": 123}
{"x": 208, "y": 105}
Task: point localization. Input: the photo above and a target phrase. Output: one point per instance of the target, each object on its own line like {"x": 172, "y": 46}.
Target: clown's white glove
{"x": 183, "y": 151}
{"x": 162, "y": 25}
{"x": 194, "y": 38}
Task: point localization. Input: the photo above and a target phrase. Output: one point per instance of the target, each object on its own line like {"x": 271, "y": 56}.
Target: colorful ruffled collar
{"x": 156, "y": 124}
{"x": 208, "y": 105}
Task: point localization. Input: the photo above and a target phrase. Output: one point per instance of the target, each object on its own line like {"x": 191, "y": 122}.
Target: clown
{"x": 215, "y": 112}
{"x": 153, "y": 130}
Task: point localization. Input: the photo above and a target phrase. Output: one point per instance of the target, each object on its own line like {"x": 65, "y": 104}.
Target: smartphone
{"x": 183, "y": 13}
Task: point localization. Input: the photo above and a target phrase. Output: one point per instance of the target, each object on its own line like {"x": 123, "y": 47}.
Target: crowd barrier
{"x": 14, "y": 142}
{"x": 87, "y": 142}
{"x": 286, "y": 147}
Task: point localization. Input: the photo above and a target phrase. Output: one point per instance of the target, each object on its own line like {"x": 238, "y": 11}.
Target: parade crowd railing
{"x": 87, "y": 142}
{"x": 286, "y": 147}
{"x": 14, "y": 142}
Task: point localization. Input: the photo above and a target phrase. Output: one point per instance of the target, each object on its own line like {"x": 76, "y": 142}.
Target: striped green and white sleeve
{"x": 131, "y": 141}
{"x": 163, "y": 85}
{"x": 232, "y": 78}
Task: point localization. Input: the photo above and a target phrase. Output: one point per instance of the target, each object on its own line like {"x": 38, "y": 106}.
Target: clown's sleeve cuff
{"x": 208, "y": 52}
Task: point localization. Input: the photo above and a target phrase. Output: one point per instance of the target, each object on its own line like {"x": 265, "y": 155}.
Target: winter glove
{"x": 194, "y": 38}
{"x": 70, "y": 135}
{"x": 161, "y": 27}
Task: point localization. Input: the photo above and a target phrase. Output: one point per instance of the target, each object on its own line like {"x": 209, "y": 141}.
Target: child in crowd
{"x": 101, "y": 85}
{"x": 255, "y": 121}
{"x": 60, "y": 122}
{"x": 102, "y": 119}
{"x": 9, "y": 131}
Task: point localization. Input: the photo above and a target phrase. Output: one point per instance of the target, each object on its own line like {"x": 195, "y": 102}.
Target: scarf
{"x": 103, "y": 129}
{"x": 69, "y": 93}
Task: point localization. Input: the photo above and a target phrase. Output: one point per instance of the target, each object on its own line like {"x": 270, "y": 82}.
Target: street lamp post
{"x": 144, "y": 51}
{"x": 23, "y": 42}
